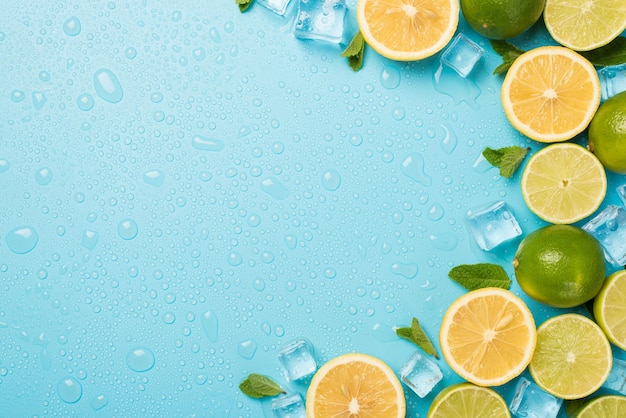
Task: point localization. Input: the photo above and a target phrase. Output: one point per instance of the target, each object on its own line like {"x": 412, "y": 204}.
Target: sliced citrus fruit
{"x": 550, "y": 93}
{"x": 583, "y": 24}
{"x": 609, "y": 308}
{"x": 573, "y": 356}
{"x": 407, "y": 30}
{"x": 487, "y": 336}
{"x": 603, "y": 407}
{"x": 465, "y": 400}
{"x": 563, "y": 183}
{"x": 355, "y": 385}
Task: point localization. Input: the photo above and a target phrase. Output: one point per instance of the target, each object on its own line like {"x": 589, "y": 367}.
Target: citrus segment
{"x": 603, "y": 407}
{"x": 572, "y": 358}
{"x": 551, "y": 93}
{"x": 487, "y": 336}
{"x": 465, "y": 400}
{"x": 584, "y": 25}
{"x": 609, "y": 308}
{"x": 353, "y": 386}
{"x": 407, "y": 30}
{"x": 563, "y": 183}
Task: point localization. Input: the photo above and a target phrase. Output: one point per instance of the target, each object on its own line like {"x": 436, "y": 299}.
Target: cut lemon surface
{"x": 487, "y": 336}
{"x": 465, "y": 400}
{"x": 609, "y": 308}
{"x": 563, "y": 183}
{"x": 603, "y": 407}
{"x": 355, "y": 386}
{"x": 551, "y": 93}
{"x": 583, "y": 24}
{"x": 572, "y": 358}
{"x": 407, "y": 30}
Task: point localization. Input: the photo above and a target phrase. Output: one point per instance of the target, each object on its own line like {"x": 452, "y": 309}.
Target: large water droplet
{"x": 22, "y": 239}
{"x": 413, "y": 167}
{"x": 89, "y": 239}
{"x": 140, "y": 359}
{"x": 408, "y": 270}
{"x": 390, "y": 77}
{"x": 127, "y": 229}
{"x": 206, "y": 144}
{"x": 71, "y": 26}
{"x": 210, "y": 326}
{"x": 275, "y": 188}
{"x": 43, "y": 176}
{"x": 99, "y": 402}
{"x": 69, "y": 390}
{"x": 331, "y": 180}
{"x": 247, "y": 349}
{"x": 4, "y": 165}
{"x": 108, "y": 86}
{"x": 449, "y": 141}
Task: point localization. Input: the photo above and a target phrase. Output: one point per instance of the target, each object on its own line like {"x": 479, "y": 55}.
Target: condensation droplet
{"x": 22, "y": 239}
{"x": 210, "y": 326}
{"x": 390, "y": 77}
{"x": 247, "y": 349}
{"x": 444, "y": 241}
{"x": 85, "y": 102}
{"x": 71, "y": 26}
{"x": 408, "y": 270}
{"x": 413, "y": 167}
{"x": 43, "y": 176}
{"x": 206, "y": 144}
{"x": 435, "y": 212}
{"x": 98, "y": 402}
{"x": 331, "y": 180}
{"x": 154, "y": 178}
{"x": 275, "y": 188}
{"x": 449, "y": 141}
{"x": 140, "y": 359}
{"x": 108, "y": 86}
{"x": 69, "y": 390}
{"x": 89, "y": 239}
{"x": 127, "y": 229}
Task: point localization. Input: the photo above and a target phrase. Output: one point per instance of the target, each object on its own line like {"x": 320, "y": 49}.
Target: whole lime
{"x": 501, "y": 19}
{"x": 607, "y": 133}
{"x": 560, "y": 265}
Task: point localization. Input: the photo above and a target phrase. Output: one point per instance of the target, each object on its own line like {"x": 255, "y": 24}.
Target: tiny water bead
{"x": 44, "y": 76}
{"x": 85, "y": 102}
{"x": 43, "y": 176}
{"x": 69, "y": 390}
{"x": 127, "y": 229}
{"x": 140, "y": 359}
{"x": 18, "y": 96}
{"x": 331, "y": 180}
{"x": 108, "y": 86}
{"x": 22, "y": 239}
{"x": 72, "y": 26}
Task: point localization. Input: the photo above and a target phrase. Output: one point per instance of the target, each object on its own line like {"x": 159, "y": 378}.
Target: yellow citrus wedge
{"x": 603, "y": 407}
{"x": 488, "y": 336}
{"x": 550, "y": 93}
{"x": 609, "y": 308}
{"x": 572, "y": 358}
{"x": 355, "y": 385}
{"x": 583, "y": 25}
{"x": 465, "y": 400}
{"x": 407, "y": 30}
{"x": 563, "y": 183}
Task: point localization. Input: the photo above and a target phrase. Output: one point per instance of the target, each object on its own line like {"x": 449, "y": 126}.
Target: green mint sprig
{"x": 508, "y": 52}
{"x": 244, "y": 4}
{"x": 477, "y": 276}
{"x": 614, "y": 53}
{"x": 259, "y": 386}
{"x": 355, "y": 52}
{"x": 416, "y": 335}
{"x": 507, "y": 159}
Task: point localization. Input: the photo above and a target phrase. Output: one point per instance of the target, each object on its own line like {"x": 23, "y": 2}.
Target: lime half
{"x": 465, "y": 400}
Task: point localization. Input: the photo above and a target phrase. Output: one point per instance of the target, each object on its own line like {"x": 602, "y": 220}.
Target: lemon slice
{"x": 603, "y": 407}
{"x": 583, "y": 24}
{"x": 609, "y": 308}
{"x": 572, "y": 358}
{"x": 487, "y": 336}
{"x": 407, "y": 30}
{"x": 465, "y": 400}
{"x": 355, "y": 385}
{"x": 563, "y": 183}
{"x": 551, "y": 93}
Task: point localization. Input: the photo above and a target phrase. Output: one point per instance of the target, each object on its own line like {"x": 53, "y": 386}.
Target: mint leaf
{"x": 614, "y": 53}
{"x": 355, "y": 52}
{"x": 416, "y": 335}
{"x": 477, "y": 276}
{"x": 508, "y": 52}
{"x": 508, "y": 159}
{"x": 259, "y": 386}
{"x": 244, "y": 4}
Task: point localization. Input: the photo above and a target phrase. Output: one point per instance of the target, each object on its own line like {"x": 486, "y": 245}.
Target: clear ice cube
{"x": 289, "y": 406}
{"x": 530, "y": 401}
{"x": 617, "y": 378}
{"x": 277, "y": 6}
{"x": 609, "y": 227}
{"x": 462, "y": 55}
{"x": 621, "y": 192}
{"x": 297, "y": 360}
{"x": 421, "y": 374}
{"x": 322, "y": 20}
{"x": 612, "y": 80}
{"x": 492, "y": 225}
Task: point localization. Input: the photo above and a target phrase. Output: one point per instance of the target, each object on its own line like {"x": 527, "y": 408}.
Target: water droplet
{"x": 89, "y": 239}
{"x": 356, "y": 139}
{"x": 247, "y": 349}
{"x": 199, "y": 54}
{"x": 130, "y": 52}
{"x": 99, "y": 402}
{"x": 448, "y": 82}
{"x": 69, "y": 390}
{"x": 390, "y": 77}
{"x": 85, "y": 102}
{"x": 127, "y": 229}
{"x": 449, "y": 141}
{"x": 444, "y": 241}
{"x": 291, "y": 241}
{"x": 215, "y": 35}
{"x": 43, "y": 176}
{"x": 234, "y": 259}
{"x": 154, "y": 178}
{"x": 398, "y": 113}
{"x": 44, "y": 76}
{"x": 408, "y": 270}
{"x": 413, "y": 167}
{"x": 39, "y": 99}
{"x": 278, "y": 147}
{"x": 71, "y": 26}
{"x": 177, "y": 15}
{"x": 140, "y": 359}
{"x": 210, "y": 326}
{"x": 108, "y": 86}
{"x": 17, "y": 96}
{"x": 258, "y": 284}
{"x": 22, "y": 239}
{"x": 435, "y": 212}
{"x": 331, "y": 180}
{"x": 206, "y": 144}
{"x": 275, "y": 188}
{"x": 254, "y": 220}
{"x": 4, "y": 165}
{"x": 169, "y": 317}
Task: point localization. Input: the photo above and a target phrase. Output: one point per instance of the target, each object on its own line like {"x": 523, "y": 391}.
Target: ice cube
{"x": 322, "y": 20}
{"x": 297, "y": 360}
{"x": 277, "y": 6}
{"x": 609, "y": 227}
{"x": 617, "y": 378}
{"x": 621, "y": 192}
{"x": 492, "y": 225}
{"x": 530, "y": 401}
{"x": 421, "y": 374}
{"x": 289, "y": 406}
{"x": 612, "y": 80}
{"x": 462, "y": 55}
